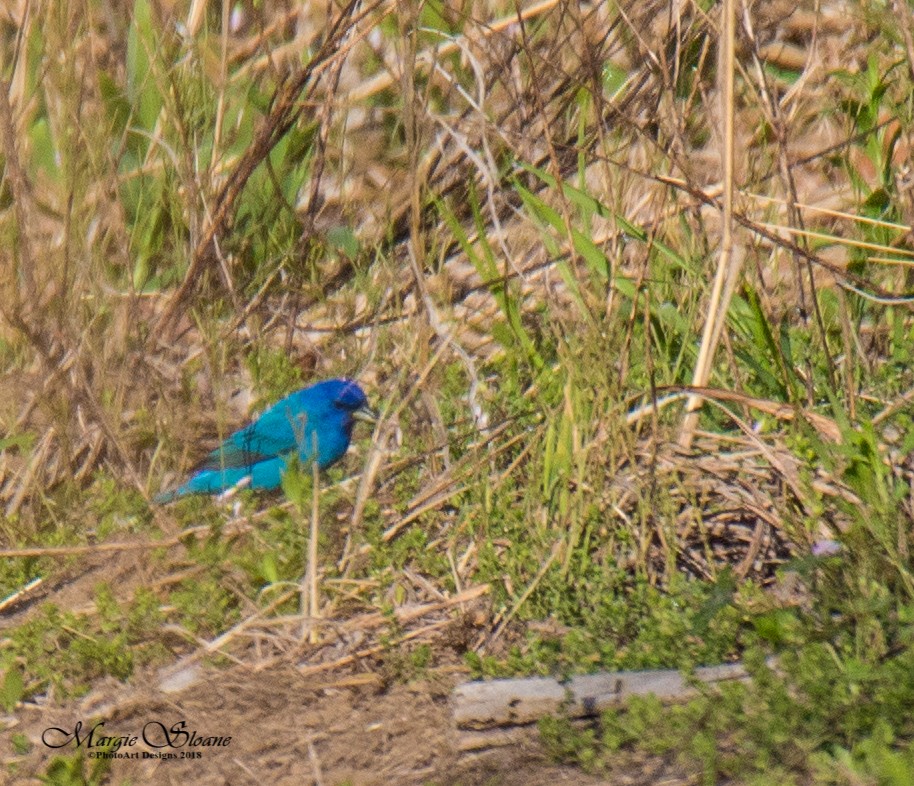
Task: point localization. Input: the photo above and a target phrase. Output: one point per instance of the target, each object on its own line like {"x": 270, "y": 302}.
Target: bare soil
{"x": 286, "y": 729}
{"x": 348, "y": 726}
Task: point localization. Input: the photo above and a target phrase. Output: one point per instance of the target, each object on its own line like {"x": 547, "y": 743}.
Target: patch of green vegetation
{"x": 115, "y": 510}
{"x": 624, "y": 626}
{"x": 76, "y": 769}
{"x": 279, "y": 554}
{"x": 404, "y": 663}
{"x": 12, "y": 687}
{"x": 834, "y": 708}
{"x": 21, "y": 743}
{"x": 206, "y": 606}
{"x": 70, "y": 650}
{"x": 823, "y": 715}
{"x": 72, "y": 515}
{"x": 17, "y": 573}
{"x": 274, "y": 373}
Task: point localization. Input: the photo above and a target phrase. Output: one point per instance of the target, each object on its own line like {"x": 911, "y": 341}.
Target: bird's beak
{"x": 365, "y": 413}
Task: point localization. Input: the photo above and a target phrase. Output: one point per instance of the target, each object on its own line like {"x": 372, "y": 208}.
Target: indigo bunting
{"x": 315, "y": 423}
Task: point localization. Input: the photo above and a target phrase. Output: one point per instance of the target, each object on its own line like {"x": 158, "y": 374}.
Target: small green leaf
{"x": 12, "y": 689}
{"x": 44, "y": 153}
{"x": 342, "y": 239}
{"x": 268, "y": 568}
{"x": 142, "y": 45}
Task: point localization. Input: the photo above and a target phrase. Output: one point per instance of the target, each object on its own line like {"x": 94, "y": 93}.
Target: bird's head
{"x": 348, "y": 397}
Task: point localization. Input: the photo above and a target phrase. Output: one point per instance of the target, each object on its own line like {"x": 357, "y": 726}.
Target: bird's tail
{"x": 216, "y": 481}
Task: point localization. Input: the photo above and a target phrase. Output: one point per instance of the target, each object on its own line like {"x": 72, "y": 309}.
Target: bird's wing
{"x": 278, "y": 431}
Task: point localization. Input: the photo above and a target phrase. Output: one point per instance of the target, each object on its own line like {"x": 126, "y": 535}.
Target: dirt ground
{"x": 285, "y": 729}
{"x": 328, "y": 729}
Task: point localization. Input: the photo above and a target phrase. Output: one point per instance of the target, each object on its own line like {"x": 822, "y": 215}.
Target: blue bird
{"x": 319, "y": 417}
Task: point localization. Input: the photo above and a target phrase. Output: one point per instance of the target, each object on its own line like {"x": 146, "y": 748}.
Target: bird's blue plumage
{"x": 313, "y": 423}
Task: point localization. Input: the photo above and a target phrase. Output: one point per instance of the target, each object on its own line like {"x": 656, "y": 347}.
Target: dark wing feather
{"x": 277, "y": 432}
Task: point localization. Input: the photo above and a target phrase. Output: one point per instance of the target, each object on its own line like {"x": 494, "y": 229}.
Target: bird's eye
{"x": 347, "y": 404}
